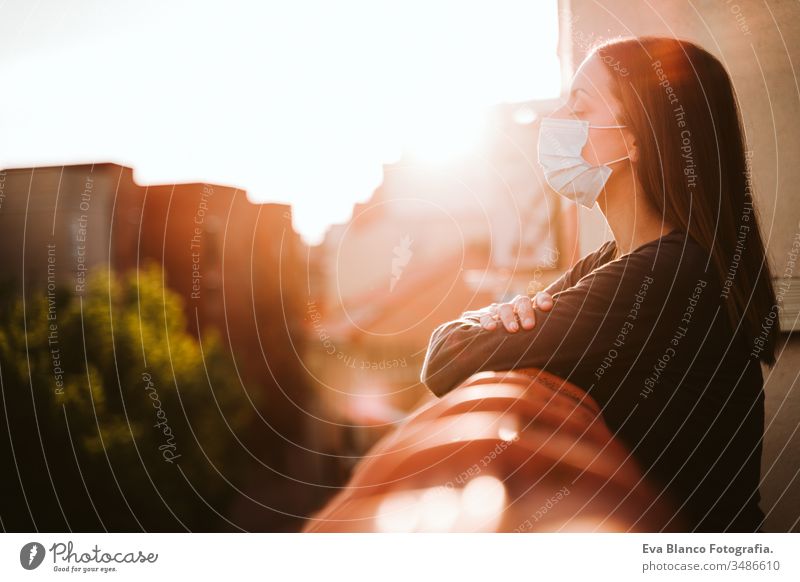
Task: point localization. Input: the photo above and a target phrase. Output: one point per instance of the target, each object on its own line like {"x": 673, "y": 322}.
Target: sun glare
{"x": 296, "y": 102}
{"x": 441, "y": 137}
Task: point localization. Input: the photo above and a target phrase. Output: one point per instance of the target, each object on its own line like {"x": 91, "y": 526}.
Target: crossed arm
{"x": 574, "y": 332}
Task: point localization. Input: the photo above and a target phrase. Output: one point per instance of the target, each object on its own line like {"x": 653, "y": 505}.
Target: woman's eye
{"x": 576, "y": 111}
{"x": 575, "y": 106}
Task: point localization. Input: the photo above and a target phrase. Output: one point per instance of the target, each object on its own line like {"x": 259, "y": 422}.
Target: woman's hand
{"x": 517, "y": 312}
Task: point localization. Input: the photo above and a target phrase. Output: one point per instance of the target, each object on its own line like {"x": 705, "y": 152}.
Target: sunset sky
{"x": 298, "y": 102}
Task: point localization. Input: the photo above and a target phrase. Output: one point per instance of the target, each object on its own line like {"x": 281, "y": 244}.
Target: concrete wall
{"x": 759, "y": 42}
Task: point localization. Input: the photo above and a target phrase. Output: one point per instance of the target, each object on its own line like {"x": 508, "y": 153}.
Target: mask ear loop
{"x": 615, "y": 161}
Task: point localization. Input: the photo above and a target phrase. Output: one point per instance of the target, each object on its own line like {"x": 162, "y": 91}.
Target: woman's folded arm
{"x": 579, "y": 329}
{"x": 581, "y": 268}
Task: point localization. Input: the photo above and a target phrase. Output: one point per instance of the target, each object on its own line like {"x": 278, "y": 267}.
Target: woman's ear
{"x": 633, "y": 150}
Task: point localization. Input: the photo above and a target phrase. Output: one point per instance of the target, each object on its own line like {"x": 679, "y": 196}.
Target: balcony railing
{"x": 505, "y": 451}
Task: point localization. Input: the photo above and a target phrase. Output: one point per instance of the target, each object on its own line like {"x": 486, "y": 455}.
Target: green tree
{"x": 117, "y": 417}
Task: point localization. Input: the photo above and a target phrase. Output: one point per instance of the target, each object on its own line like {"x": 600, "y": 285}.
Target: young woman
{"x": 665, "y": 326}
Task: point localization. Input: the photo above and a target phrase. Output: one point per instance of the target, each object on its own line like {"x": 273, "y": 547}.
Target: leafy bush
{"x": 116, "y": 416}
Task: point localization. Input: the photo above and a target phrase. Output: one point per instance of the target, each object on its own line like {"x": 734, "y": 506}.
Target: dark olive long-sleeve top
{"x": 647, "y": 335}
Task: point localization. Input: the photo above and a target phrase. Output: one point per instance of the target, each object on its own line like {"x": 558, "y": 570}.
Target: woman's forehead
{"x": 592, "y": 77}
{"x": 593, "y": 80}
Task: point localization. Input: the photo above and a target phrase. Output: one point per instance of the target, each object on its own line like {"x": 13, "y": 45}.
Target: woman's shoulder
{"x": 677, "y": 263}
{"x": 676, "y": 247}
{"x": 672, "y": 262}
{"x": 585, "y": 265}
{"x": 675, "y": 260}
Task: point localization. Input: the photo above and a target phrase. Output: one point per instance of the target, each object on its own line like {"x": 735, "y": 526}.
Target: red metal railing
{"x": 505, "y": 451}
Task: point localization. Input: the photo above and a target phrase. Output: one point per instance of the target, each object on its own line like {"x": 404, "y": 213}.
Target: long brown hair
{"x": 678, "y": 101}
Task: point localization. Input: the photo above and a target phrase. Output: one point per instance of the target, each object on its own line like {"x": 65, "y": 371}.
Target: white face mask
{"x": 568, "y": 173}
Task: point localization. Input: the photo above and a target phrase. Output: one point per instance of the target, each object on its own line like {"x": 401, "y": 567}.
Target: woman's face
{"x": 591, "y": 100}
